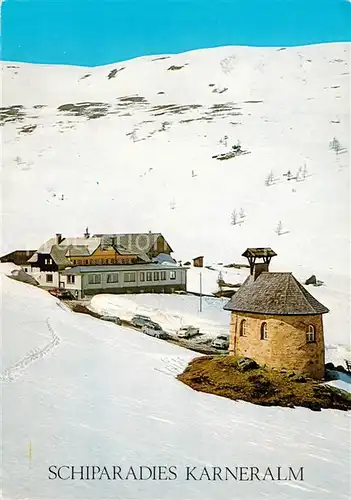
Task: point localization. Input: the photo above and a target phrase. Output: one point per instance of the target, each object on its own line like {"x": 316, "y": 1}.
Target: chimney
{"x": 256, "y": 268}
{"x": 86, "y": 234}
{"x": 58, "y": 238}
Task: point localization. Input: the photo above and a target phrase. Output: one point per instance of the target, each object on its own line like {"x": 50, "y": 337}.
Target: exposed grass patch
{"x": 80, "y": 308}
{"x": 86, "y": 109}
{"x": 27, "y": 129}
{"x": 114, "y": 72}
{"x": 175, "y": 68}
{"x": 133, "y": 98}
{"x": 222, "y": 376}
{"x": 160, "y": 58}
{"x": 13, "y": 113}
{"x": 163, "y": 109}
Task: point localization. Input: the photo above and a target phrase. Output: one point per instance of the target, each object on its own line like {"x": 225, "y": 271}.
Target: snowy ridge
{"x": 153, "y": 127}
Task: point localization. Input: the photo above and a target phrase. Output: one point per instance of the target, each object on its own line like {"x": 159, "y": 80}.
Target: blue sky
{"x": 94, "y": 32}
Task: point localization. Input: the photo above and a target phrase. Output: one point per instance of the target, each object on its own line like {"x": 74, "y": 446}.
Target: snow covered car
{"x": 221, "y": 342}
{"x": 113, "y": 319}
{"x": 187, "y": 332}
{"x": 140, "y": 320}
{"x": 155, "y": 330}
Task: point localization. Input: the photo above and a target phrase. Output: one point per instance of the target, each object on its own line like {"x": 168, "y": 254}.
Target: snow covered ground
{"x": 132, "y": 150}
{"x": 106, "y": 395}
{"x": 170, "y": 311}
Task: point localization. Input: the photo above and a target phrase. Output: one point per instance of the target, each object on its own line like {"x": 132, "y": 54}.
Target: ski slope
{"x": 136, "y": 154}
{"x": 106, "y": 395}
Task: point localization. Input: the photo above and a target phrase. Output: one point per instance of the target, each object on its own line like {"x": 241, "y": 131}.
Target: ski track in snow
{"x": 18, "y": 368}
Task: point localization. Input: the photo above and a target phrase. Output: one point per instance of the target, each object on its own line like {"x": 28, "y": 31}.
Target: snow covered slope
{"x": 136, "y": 153}
{"x": 76, "y": 390}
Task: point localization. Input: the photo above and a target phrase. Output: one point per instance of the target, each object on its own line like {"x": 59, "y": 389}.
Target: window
{"x": 172, "y": 275}
{"x": 264, "y": 331}
{"x": 49, "y": 278}
{"x": 71, "y": 280}
{"x": 94, "y": 279}
{"x": 47, "y": 261}
{"x": 148, "y": 276}
{"x": 142, "y": 276}
{"x": 129, "y": 277}
{"x": 311, "y": 334}
{"x": 86, "y": 261}
{"x": 156, "y": 276}
{"x": 163, "y": 275}
{"x": 243, "y": 328}
{"x": 112, "y": 278}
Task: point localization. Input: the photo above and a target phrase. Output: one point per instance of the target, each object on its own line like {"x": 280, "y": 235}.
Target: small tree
{"x": 299, "y": 174}
{"x": 234, "y": 217}
{"x": 304, "y": 171}
{"x": 335, "y": 146}
{"x": 224, "y": 141}
{"x": 279, "y": 228}
{"x": 269, "y": 179}
{"x": 220, "y": 280}
{"x": 242, "y": 213}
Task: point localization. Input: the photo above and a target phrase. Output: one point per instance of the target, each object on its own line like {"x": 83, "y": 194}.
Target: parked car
{"x": 187, "y": 331}
{"x": 154, "y": 330}
{"x": 221, "y": 342}
{"x": 140, "y": 320}
{"x": 61, "y": 294}
{"x": 113, "y": 319}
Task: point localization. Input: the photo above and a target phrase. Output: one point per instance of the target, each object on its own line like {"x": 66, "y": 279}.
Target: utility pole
{"x": 200, "y": 291}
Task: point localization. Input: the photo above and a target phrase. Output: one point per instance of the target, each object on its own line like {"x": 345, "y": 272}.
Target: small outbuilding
{"x": 275, "y": 320}
{"x": 198, "y": 261}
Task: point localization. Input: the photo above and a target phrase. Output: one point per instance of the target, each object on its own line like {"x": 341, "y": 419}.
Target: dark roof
{"x": 58, "y": 254}
{"x": 274, "y": 293}
{"x": 18, "y": 257}
{"x": 132, "y": 243}
{"x": 259, "y": 252}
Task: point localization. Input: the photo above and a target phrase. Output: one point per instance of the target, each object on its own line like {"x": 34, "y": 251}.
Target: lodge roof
{"x": 137, "y": 243}
{"x": 276, "y": 294}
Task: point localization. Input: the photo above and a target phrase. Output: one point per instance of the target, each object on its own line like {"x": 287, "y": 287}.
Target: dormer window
{"x": 243, "y": 328}
{"x": 264, "y": 331}
{"x": 311, "y": 334}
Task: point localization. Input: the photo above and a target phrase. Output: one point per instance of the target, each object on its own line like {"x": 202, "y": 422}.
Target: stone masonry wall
{"x": 286, "y": 345}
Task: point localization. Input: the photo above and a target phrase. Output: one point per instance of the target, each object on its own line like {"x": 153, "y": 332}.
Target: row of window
{"x": 97, "y": 262}
{"x": 310, "y": 334}
{"x": 95, "y": 279}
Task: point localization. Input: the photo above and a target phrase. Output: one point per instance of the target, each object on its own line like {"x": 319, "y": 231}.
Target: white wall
{"x": 40, "y": 276}
{"x": 77, "y": 285}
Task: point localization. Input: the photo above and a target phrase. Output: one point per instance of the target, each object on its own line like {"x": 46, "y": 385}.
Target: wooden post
{"x": 200, "y": 291}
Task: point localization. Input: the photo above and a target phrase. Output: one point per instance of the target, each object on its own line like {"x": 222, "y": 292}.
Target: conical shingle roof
{"x": 276, "y": 294}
